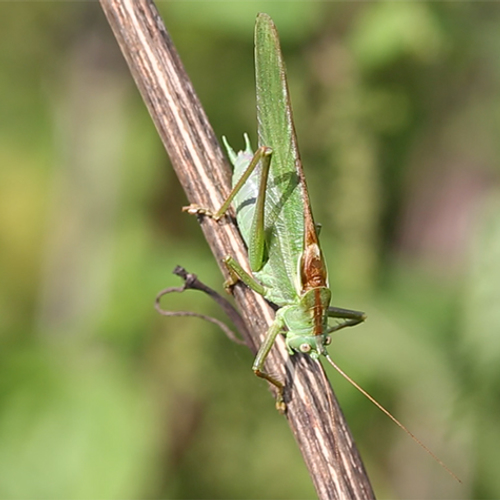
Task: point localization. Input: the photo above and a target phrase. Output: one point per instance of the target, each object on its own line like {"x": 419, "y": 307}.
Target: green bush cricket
{"x": 275, "y": 220}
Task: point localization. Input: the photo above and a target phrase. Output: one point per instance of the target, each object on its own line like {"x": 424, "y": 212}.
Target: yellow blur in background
{"x": 397, "y": 109}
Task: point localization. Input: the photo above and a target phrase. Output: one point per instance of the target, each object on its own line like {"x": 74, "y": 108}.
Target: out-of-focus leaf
{"x": 388, "y": 30}
{"x": 69, "y": 429}
{"x": 295, "y": 19}
{"x": 482, "y": 297}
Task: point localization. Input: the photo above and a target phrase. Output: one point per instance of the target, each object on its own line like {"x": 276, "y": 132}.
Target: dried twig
{"x": 191, "y": 282}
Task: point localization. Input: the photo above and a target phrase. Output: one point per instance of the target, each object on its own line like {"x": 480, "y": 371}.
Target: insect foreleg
{"x": 258, "y": 365}
{"x": 351, "y": 318}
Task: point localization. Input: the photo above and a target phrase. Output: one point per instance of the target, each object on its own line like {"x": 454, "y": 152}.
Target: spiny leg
{"x": 256, "y": 243}
{"x": 258, "y": 364}
{"x": 264, "y": 154}
{"x": 256, "y": 258}
{"x": 351, "y": 317}
{"x": 237, "y": 273}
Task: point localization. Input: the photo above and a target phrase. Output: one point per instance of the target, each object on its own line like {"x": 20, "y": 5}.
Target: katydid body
{"x": 275, "y": 219}
{"x": 294, "y": 280}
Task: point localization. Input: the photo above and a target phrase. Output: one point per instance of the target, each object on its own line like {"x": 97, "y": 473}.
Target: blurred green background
{"x": 397, "y": 109}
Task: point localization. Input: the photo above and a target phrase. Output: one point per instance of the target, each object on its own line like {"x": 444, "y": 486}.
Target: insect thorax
{"x": 307, "y": 322}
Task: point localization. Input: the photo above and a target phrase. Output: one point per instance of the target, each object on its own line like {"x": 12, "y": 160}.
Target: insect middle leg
{"x": 238, "y": 273}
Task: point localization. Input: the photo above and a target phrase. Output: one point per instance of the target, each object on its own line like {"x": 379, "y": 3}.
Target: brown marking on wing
{"x": 312, "y": 267}
{"x": 313, "y": 272}
{"x": 318, "y": 312}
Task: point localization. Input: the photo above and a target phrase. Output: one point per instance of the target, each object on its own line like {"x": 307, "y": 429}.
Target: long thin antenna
{"x": 394, "y": 419}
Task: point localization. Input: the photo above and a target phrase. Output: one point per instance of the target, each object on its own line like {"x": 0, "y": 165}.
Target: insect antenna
{"x": 389, "y": 414}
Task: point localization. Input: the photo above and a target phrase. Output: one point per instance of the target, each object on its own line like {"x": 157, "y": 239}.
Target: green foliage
{"x": 387, "y": 31}
{"x": 65, "y": 419}
{"x": 397, "y": 113}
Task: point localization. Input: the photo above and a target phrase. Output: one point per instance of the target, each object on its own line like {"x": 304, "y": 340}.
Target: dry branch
{"x": 312, "y": 410}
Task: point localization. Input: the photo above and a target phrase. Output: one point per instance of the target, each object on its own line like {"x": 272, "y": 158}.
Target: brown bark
{"x": 312, "y": 410}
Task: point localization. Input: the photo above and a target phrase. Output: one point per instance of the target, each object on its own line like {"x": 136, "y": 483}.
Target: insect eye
{"x": 305, "y": 347}
{"x": 328, "y": 340}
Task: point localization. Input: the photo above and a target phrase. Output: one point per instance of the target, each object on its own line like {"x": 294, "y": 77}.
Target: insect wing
{"x": 284, "y": 212}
